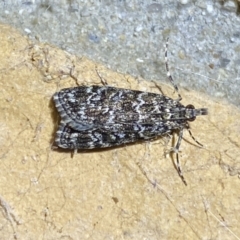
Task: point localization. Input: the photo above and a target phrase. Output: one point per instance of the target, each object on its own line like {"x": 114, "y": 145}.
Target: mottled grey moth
{"x": 105, "y": 116}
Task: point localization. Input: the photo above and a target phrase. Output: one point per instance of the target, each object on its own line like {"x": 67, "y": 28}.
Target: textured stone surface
{"x": 130, "y": 192}
{"x": 129, "y": 37}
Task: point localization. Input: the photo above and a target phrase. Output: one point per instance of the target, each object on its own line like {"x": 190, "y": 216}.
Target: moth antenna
{"x": 169, "y": 74}
{"x": 104, "y": 82}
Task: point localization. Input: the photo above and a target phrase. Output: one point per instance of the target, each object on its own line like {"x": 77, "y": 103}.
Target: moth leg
{"x": 169, "y": 74}
{"x": 177, "y": 163}
{"x": 194, "y": 139}
{"x": 104, "y": 82}
{"x": 74, "y": 152}
{"x": 179, "y": 169}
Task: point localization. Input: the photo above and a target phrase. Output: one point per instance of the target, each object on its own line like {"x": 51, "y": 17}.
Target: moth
{"x": 106, "y": 116}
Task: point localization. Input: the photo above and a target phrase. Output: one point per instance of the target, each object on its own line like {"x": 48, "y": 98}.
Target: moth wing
{"x": 68, "y": 138}
{"x": 84, "y": 108}
{"x": 110, "y": 136}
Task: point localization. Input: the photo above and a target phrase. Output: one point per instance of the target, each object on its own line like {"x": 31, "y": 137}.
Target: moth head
{"x": 192, "y": 113}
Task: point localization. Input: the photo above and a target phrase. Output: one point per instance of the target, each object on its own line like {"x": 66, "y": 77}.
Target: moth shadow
{"x": 73, "y": 152}
{"x": 55, "y": 119}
